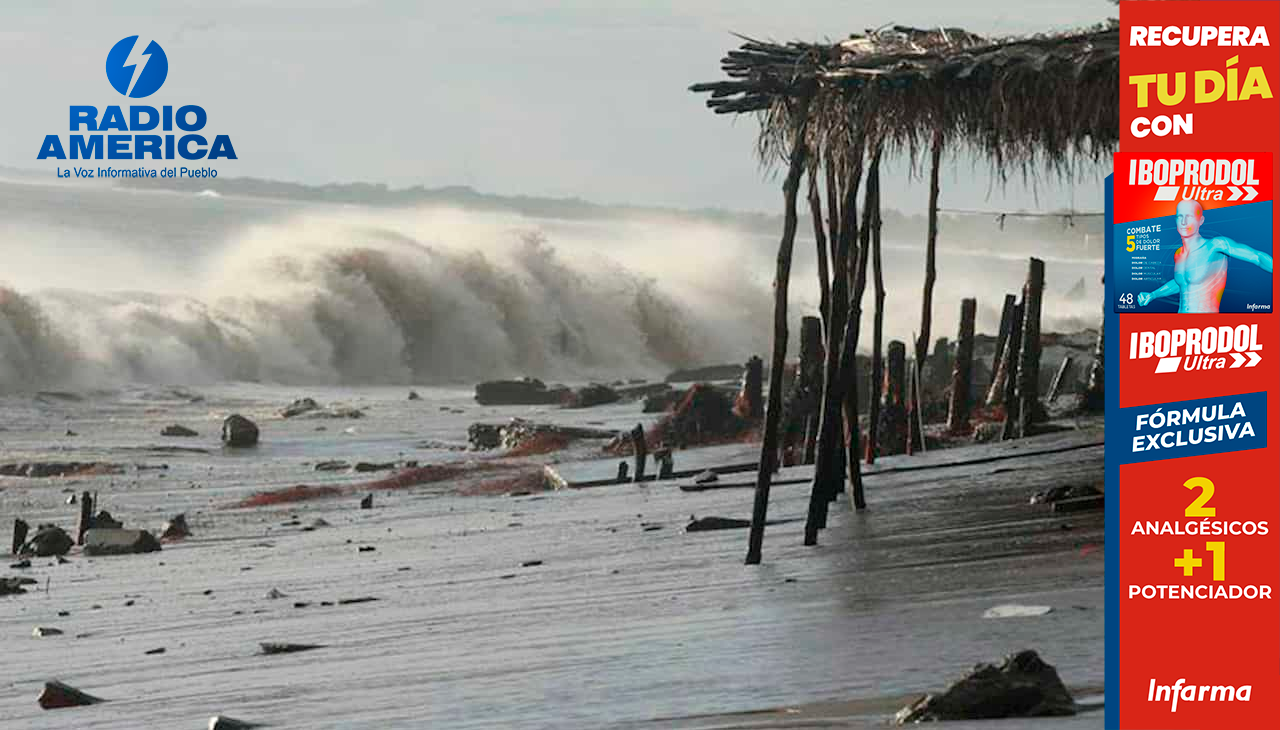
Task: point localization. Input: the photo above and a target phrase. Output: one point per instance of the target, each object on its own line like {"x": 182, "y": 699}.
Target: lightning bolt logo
{"x": 136, "y": 68}
{"x": 138, "y": 60}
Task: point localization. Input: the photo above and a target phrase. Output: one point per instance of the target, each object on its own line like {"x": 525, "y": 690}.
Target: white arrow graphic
{"x": 1235, "y": 192}
{"x": 1250, "y": 193}
{"x": 1254, "y": 359}
{"x": 1237, "y": 360}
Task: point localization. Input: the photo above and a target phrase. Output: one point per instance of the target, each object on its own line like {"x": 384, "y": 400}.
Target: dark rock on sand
{"x": 178, "y": 431}
{"x": 104, "y": 520}
{"x": 413, "y": 395}
{"x": 299, "y": 407}
{"x": 48, "y": 541}
{"x": 40, "y": 632}
{"x": 274, "y": 647}
{"x": 107, "y": 541}
{"x": 1023, "y": 686}
{"x": 14, "y": 586}
{"x": 239, "y": 432}
{"x": 525, "y": 392}
{"x": 57, "y": 695}
{"x": 365, "y": 466}
{"x": 176, "y": 528}
{"x": 660, "y": 402}
{"x": 706, "y": 373}
{"x": 592, "y": 395}
{"x": 59, "y": 469}
{"x": 484, "y": 436}
{"x": 704, "y": 524}
{"x": 367, "y": 502}
{"x": 332, "y": 466}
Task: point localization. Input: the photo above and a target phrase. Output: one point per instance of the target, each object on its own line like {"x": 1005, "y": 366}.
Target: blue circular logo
{"x": 134, "y": 72}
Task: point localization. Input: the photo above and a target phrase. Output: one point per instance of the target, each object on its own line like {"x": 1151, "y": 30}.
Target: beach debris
{"x": 20, "y": 565}
{"x": 332, "y": 466}
{"x": 153, "y": 652}
{"x": 705, "y": 373}
{"x": 176, "y": 528}
{"x": 239, "y": 432}
{"x": 10, "y": 586}
{"x": 705, "y": 524}
{"x": 115, "y": 541}
{"x": 275, "y": 594}
{"x": 367, "y": 502}
{"x": 48, "y": 541}
{"x": 300, "y": 406}
{"x": 71, "y": 499}
{"x": 277, "y": 647}
{"x": 318, "y": 523}
{"x": 524, "y": 392}
{"x": 650, "y": 527}
{"x": 57, "y": 695}
{"x": 40, "y": 632}
{"x": 413, "y": 395}
{"x": 666, "y": 463}
{"x": 104, "y": 520}
{"x": 641, "y": 390}
{"x": 706, "y": 477}
{"x": 1023, "y": 686}
{"x": 623, "y": 470}
{"x": 222, "y": 722}
{"x": 703, "y": 415}
{"x": 594, "y": 394}
{"x": 365, "y": 466}
{"x": 20, "y": 529}
{"x": 361, "y": 599}
{"x": 661, "y": 402}
{"x": 44, "y": 470}
{"x": 484, "y": 436}
{"x": 531, "y": 564}
{"x": 367, "y": 548}
{"x": 178, "y": 431}
{"x": 1013, "y": 610}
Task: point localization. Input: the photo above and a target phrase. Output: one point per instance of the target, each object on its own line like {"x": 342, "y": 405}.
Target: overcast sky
{"x": 581, "y": 98}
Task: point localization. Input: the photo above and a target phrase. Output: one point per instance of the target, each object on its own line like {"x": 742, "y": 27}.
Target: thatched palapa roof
{"x": 1049, "y": 99}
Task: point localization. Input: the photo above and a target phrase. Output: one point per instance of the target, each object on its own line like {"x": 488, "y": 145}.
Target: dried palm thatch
{"x": 1042, "y": 101}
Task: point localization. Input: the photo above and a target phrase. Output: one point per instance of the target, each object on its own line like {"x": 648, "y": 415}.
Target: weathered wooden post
{"x": 781, "y": 284}
{"x": 86, "y": 516}
{"x": 1013, "y": 346}
{"x": 623, "y": 470}
{"x": 20, "y": 528}
{"x": 752, "y": 406}
{"x": 930, "y": 277}
{"x": 811, "y": 358}
{"x": 666, "y": 464}
{"x": 999, "y": 367}
{"x": 893, "y": 410}
{"x": 877, "y": 337}
{"x": 1029, "y": 407}
{"x": 962, "y": 374}
{"x": 1095, "y": 393}
{"x": 641, "y": 450}
{"x": 1063, "y": 369}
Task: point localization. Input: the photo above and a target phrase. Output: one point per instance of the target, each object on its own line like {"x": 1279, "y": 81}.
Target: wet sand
{"x": 616, "y": 627}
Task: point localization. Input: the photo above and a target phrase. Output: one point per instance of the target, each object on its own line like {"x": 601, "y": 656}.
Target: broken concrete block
{"x": 112, "y": 541}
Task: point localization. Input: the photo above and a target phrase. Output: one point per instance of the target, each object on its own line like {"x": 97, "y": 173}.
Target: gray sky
{"x": 580, "y": 98}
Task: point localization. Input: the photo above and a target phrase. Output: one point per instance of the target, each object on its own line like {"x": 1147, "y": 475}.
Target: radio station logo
{"x": 137, "y": 70}
{"x": 134, "y": 72}
{"x": 1203, "y": 348}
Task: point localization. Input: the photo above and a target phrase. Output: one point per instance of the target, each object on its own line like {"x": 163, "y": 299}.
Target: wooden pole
{"x": 930, "y": 268}
{"x": 820, "y": 237}
{"x": 1063, "y": 369}
{"x": 1029, "y": 407}
{"x": 894, "y": 429}
{"x": 848, "y": 357}
{"x": 20, "y": 528}
{"x": 1095, "y": 393}
{"x": 999, "y": 369}
{"x": 753, "y": 389}
{"x": 1011, "y": 359}
{"x": 828, "y": 471}
{"x": 781, "y": 283}
{"x": 962, "y": 372}
{"x": 86, "y": 516}
{"x": 811, "y": 359}
{"x": 877, "y": 338}
{"x": 642, "y": 452}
